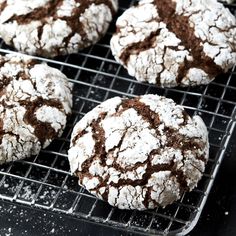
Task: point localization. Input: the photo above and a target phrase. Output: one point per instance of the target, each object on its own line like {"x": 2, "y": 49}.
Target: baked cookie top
{"x": 50, "y": 28}
{"x": 184, "y": 43}
{"x": 34, "y": 103}
{"x": 139, "y": 153}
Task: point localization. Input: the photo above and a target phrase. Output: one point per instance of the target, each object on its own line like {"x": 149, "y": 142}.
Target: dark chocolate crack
{"x": 4, "y": 83}
{"x": 5, "y": 105}
{"x": 178, "y": 174}
{"x": 42, "y": 130}
{"x": 22, "y": 74}
{"x": 2, "y": 133}
{"x": 143, "y": 110}
{"x": 3, "y": 60}
{"x": 1, "y": 130}
{"x": 38, "y": 14}
{"x": 138, "y": 47}
{"x": 75, "y": 24}
{"x": 180, "y": 26}
{"x": 185, "y": 117}
{"x": 40, "y": 30}
{"x": 202, "y": 158}
{"x": 99, "y": 151}
{"x": 179, "y": 141}
{"x": 174, "y": 139}
{"x": 78, "y": 136}
{"x": 150, "y": 170}
{"x": 99, "y": 148}
{"x": 147, "y": 197}
{"x": 24, "y": 64}
{"x": 3, "y": 6}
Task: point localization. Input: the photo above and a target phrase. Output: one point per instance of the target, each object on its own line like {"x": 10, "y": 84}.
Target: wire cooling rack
{"x": 44, "y": 181}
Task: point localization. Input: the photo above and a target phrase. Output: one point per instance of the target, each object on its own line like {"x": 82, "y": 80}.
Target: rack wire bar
{"x": 44, "y": 181}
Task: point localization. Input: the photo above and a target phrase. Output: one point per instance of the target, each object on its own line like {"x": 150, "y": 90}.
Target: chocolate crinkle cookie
{"x": 176, "y": 42}
{"x": 51, "y": 28}
{"x": 34, "y": 103}
{"x": 139, "y": 153}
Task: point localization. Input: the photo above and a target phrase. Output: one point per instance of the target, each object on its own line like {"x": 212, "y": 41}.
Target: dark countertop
{"x": 218, "y": 218}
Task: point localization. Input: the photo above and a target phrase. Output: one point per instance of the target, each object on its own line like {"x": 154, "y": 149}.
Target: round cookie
{"x": 34, "y": 103}
{"x": 139, "y": 153}
{"x": 184, "y": 43}
{"x": 50, "y": 28}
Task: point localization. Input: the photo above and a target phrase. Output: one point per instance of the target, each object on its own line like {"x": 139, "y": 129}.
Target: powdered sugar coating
{"x": 154, "y": 47}
{"x": 139, "y": 153}
{"x": 51, "y": 28}
{"x": 34, "y": 104}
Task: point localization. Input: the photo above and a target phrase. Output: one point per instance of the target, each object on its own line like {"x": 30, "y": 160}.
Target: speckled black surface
{"x": 218, "y": 217}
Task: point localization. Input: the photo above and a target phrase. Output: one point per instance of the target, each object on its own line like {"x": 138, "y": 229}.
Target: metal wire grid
{"x": 44, "y": 181}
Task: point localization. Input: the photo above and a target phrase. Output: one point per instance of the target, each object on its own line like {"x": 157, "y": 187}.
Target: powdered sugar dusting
{"x": 142, "y": 152}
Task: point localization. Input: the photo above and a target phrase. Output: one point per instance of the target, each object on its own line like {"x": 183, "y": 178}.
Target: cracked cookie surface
{"x": 139, "y": 153}
{"x": 34, "y": 103}
{"x": 50, "y": 28}
{"x": 186, "y": 43}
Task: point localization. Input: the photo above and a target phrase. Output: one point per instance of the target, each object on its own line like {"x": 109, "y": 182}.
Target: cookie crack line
{"x": 2, "y": 133}
{"x": 180, "y": 26}
{"x": 4, "y": 82}
{"x": 138, "y": 47}
{"x": 3, "y": 5}
{"x": 151, "y": 117}
{"x": 74, "y": 22}
{"x": 43, "y": 130}
{"x": 99, "y": 150}
{"x": 151, "y": 169}
{"x": 172, "y": 141}
{"x": 37, "y": 14}
{"x": 143, "y": 110}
